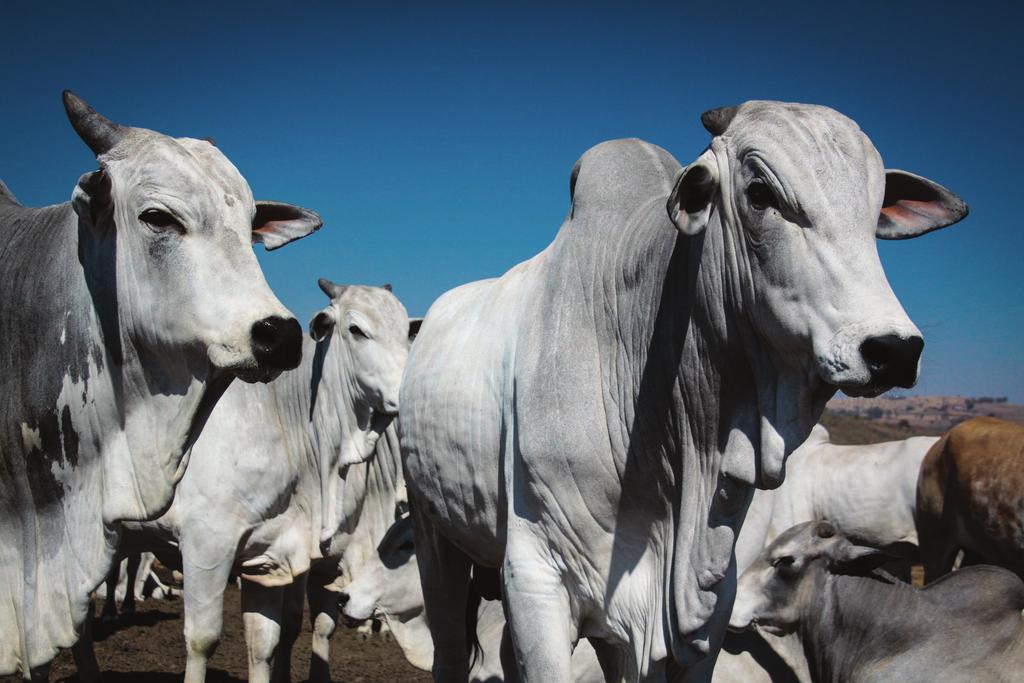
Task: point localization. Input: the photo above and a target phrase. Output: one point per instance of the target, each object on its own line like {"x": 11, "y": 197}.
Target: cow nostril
{"x": 892, "y": 360}
{"x": 277, "y": 342}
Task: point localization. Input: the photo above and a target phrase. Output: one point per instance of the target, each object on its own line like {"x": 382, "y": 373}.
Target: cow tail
{"x": 484, "y": 584}
{"x": 473, "y": 602}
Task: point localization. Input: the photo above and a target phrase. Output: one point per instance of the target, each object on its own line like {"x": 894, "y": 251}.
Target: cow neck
{"x": 368, "y": 506}
{"x": 162, "y": 397}
{"x": 700, "y": 381}
{"x": 843, "y": 624}
{"x": 344, "y": 428}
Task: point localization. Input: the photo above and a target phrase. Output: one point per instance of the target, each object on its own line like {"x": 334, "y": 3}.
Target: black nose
{"x": 892, "y": 360}
{"x": 342, "y": 599}
{"x": 277, "y": 342}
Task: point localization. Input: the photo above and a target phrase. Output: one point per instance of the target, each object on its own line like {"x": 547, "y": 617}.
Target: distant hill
{"x": 869, "y": 420}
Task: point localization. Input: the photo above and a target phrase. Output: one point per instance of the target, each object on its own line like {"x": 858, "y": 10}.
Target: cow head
{"x": 370, "y": 329}
{"x": 387, "y": 586}
{"x": 169, "y": 224}
{"x": 801, "y": 194}
{"x": 779, "y": 586}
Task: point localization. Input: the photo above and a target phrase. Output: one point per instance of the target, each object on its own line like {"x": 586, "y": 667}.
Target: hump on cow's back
{"x": 982, "y": 590}
{"x": 618, "y": 175}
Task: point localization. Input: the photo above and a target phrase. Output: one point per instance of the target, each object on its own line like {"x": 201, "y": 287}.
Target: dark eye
{"x": 160, "y": 220}
{"x": 784, "y": 561}
{"x": 761, "y": 196}
{"x": 355, "y": 331}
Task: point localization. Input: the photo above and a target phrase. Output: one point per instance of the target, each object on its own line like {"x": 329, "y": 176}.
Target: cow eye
{"x": 783, "y": 562}
{"x": 355, "y": 331}
{"x": 160, "y": 220}
{"x": 761, "y": 196}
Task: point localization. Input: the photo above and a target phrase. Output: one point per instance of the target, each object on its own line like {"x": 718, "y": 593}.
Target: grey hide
{"x": 815, "y": 583}
{"x": 594, "y": 421}
{"x": 124, "y": 314}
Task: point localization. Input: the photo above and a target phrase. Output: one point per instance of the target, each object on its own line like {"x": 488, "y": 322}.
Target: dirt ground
{"x": 149, "y": 647}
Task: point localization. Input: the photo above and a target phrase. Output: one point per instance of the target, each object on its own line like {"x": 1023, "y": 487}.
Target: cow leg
{"x": 444, "y": 573}
{"x": 131, "y": 572}
{"x": 109, "y": 613}
{"x": 507, "y": 653}
{"x": 539, "y": 614}
{"x": 262, "y": 614}
{"x": 291, "y": 626}
{"x": 205, "y": 577}
{"x": 323, "y": 616}
{"x": 84, "y": 653}
{"x": 938, "y": 550}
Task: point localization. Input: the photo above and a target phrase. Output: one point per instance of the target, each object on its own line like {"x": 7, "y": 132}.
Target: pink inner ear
{"x": 911, "y": 212}
{"x": 271, "y": 227}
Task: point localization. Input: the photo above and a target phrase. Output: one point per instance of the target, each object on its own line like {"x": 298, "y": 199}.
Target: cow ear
{"x": 276, "y": 224}
{"x": 847, "y": 557}
{"x": 689, "y": 204}
{"x": 914, "y": 205}
{"x": 414, "y": 327}
{"x": 91, "y": 198}
{"x": 321, "y": 325}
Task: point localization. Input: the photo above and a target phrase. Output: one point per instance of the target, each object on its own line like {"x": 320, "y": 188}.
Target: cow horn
{"x": 717, "y": 120}
{"x": 97, "y": 131}
{"x": 331, "y": 289}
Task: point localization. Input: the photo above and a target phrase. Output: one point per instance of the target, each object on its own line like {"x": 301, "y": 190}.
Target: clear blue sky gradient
{"x": 436, "y": 141}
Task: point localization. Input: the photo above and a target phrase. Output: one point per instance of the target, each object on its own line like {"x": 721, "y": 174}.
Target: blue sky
{"x": 437, "y": 141}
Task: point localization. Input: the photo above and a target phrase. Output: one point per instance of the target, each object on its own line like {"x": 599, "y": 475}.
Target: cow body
{"x": 854, "y": 627}
{"x": 594, "y": 421}
{"x": 124, "y": 315}
{"x": 969, "y": 497}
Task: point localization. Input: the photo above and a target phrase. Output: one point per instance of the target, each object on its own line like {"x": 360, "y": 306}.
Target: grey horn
{"x": 96, "y": 130}
{"x": 717, "y": 120}
{"x": 331, "y": 289}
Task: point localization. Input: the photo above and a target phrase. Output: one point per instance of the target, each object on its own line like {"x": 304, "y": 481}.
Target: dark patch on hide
{"x": 46, "y": 489}
{"x": 69, "y": 436}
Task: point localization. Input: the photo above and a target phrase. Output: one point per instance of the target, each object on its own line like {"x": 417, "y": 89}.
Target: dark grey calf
{"x": 857, "y": 627}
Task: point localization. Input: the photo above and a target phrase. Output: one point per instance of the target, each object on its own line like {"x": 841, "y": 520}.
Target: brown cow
{"x": 970, "y": 497}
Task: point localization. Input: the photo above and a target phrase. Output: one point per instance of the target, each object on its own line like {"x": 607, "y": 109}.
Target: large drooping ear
{"x": 845, "y": 557}
{"x": 914, "y": 205}
{"x": 414, "y": 327}
{"x": 689, "y": 204}
{"x": 321, "y": 325}
{"x": 276, "y": 224}
{"x": 98, "y": 132}
{"x": 91, "y": 198}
